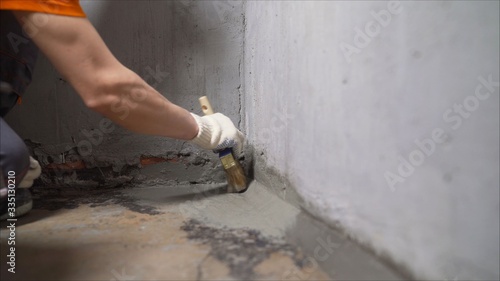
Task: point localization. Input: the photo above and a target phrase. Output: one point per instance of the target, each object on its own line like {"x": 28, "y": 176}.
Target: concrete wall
{"x": 381, "y": 117}
{"x": 185, "y": 49}
{"x": 378, "y": 116}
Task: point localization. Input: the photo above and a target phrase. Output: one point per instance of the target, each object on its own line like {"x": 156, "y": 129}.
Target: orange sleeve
{"x": 58, "y": 7}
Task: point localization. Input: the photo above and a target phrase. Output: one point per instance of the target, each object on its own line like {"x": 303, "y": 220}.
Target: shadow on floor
{"x": 52, "y": 199}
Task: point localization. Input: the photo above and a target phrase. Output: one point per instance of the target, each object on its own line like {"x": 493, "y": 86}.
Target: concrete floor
{"x": 195, "y": 232}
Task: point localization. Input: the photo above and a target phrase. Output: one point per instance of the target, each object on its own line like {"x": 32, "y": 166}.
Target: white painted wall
{"x": 337, "y": 125}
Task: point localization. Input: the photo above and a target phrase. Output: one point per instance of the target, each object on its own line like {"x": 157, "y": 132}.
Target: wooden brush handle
{"x": 236, "y": 179}
{"x": 206, "y": 107}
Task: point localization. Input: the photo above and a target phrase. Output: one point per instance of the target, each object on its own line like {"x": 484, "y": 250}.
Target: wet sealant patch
{"x": 240, "y": 249}
{"x": 55, "y": 199}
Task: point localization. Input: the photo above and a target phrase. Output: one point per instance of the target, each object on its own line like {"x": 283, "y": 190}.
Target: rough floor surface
{"x": 155, "y": 233}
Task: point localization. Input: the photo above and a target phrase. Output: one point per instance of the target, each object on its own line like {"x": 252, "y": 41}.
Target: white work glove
{"x": 216, "y": 132}
{"x": 34, "y": 172}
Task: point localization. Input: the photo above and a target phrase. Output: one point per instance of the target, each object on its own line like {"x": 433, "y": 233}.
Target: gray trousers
{"x": 14, "y": 156}
{"x": 17, "y": 58}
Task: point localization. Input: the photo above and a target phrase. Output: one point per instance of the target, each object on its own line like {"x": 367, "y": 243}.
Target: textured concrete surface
{"x": 194, "y": 232}
{"x": 354, "y": 132}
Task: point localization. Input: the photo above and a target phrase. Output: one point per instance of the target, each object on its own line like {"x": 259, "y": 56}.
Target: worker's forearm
{"x": 140, "y": 108}
{"x": 77, "y": 51}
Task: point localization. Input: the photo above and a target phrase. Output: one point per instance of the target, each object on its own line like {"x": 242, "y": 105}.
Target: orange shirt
{"x": 58, "y": 7}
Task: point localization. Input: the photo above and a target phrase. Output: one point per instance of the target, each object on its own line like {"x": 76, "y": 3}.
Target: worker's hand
{"x": 34, "y": 172}
{"x": 216, "y": 132}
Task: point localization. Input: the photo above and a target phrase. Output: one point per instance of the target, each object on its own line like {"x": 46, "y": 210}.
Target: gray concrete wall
{"x": 377, "y": 115}
{"x": 381, "y": 117}
{"x": 185, "y": 49}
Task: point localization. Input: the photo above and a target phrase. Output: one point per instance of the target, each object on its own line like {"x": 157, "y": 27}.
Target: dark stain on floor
{"x": 240, "y": 249}
{"x": 54, "y": 199}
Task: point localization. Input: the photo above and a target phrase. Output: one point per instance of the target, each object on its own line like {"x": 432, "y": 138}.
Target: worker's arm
{"x": 78, "y": 52}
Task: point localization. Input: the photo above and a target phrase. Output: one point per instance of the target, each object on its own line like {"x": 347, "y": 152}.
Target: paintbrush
{"x": 236, "y": 179}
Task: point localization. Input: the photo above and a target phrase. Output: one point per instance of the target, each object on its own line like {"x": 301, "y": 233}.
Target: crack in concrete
{"x": 199, "y": 268}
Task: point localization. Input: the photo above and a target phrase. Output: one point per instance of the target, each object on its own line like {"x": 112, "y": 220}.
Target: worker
{"x": 61, "y": 31}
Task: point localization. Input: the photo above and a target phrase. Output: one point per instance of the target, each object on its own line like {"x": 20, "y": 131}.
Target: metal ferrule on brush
{"x": 227, "y": 159}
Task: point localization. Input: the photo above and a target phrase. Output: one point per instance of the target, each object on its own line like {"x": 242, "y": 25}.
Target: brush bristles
{"x": 236, "y": 179}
